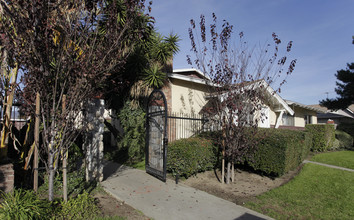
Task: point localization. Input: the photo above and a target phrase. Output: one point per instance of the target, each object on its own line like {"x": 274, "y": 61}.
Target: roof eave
{"x": 305, "y": 106}
{"x": 191, "y": 79}
{"x": 278, "y": 98}
{"x": 191, "y": 70}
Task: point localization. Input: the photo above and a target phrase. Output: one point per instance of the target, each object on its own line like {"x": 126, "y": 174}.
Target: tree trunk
{"x": 232, "y": 171}
{"x": 51, "y": 177}
{"x": 36, "y": 140}
{"x": 65, "y": 181}
{"x": 223, "y": 167}
{"x": 3, "y": 146}
{"x": 223, "y": 157}
{"x": 228, "y": 172}
{"x": 5, "y": 136}
{"x": 7, "y": 106}
{"x": 65, "y": 157}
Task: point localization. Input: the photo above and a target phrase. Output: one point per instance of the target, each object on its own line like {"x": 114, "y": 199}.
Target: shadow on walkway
{"x": 168, "y": 200}
{"x": 112, "y": 169}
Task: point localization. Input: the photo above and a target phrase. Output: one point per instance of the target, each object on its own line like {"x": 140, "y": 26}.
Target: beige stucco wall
{"x": 273, "y": 117}
{"x": 187, "y": 100}
{"x": 300, "y": 114}
{"x": 187, "y": 97}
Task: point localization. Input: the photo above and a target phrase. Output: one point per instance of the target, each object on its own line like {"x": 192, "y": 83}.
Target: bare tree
{"x": 68, "y": 49}
{"x": 239, "y": 75}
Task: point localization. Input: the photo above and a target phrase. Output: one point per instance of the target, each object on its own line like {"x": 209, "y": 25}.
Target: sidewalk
{"x": 160, "y": 200}
{"x": 328, "y": 165}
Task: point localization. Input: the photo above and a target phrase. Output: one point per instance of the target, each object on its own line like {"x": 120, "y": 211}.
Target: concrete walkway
{"x": 328, "y": 165}
{"x": 160, "y": 200}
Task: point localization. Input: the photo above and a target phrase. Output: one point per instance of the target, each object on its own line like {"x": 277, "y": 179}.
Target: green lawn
{"x": 339, "y": 158}
{"x": 138, "y": 165}
{"x": 318, "y": 192}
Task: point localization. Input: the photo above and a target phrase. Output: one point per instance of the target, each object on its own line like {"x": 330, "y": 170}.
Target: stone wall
{"x": 93, "y": 140}
{"x": 6, "y": 177}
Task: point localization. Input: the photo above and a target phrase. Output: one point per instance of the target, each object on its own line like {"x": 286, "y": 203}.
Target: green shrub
{"x": 21, "y": 204}
{"x": 81, "y": 207}
{"x": 187, "y": 157}
{"x": 75, "y": 157}
{"x": 336, "y": 145}
{"x": 133, "y": 124}
{"x": 344, "y": 139}
{"x": 279, "y": 151}
{"x": 214, "y": 136}
{"x": 76, "y": 183}
{"x": 347, "y": 127}
{"x": 323, "y": 136}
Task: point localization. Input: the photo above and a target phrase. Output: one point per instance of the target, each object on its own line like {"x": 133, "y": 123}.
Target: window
{"x": 308, "y": 119}
{"x": 287, "y": 120}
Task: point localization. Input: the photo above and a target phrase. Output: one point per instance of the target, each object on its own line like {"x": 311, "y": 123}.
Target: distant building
{"x": 188, "y": 93}
{"x": 339, "y": 116}
{"x": 18, "y": 119}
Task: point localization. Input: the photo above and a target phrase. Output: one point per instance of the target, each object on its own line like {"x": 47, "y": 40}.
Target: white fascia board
{"x": 186, "y": 78}
{"x": 278, "y": 98}
{"x": 350, "y": 111}
{"x": 344, "y": 113}
{"x": 283, "y": 103}
{"x": 191, "y": 70}
{"x": 190, "y": 79}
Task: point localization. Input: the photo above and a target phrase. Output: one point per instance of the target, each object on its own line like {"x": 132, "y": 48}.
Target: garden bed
{"x": 246, "y": 187}
{"x": 110, "y": 206}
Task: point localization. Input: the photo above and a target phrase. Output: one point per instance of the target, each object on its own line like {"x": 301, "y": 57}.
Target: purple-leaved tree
{"x": 240, "y": 76}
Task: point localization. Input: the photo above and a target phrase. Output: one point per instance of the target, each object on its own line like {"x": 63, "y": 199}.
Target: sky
{"x": 321, "y": 31}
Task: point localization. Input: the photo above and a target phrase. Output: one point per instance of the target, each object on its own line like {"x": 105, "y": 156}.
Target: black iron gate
{"x": 156, "y": 135}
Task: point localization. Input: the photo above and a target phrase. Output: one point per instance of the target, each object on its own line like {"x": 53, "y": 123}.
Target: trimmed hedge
{"x": 279, "y": 151}
{"x": 323, "y": 136}
{"x": 187, "y": 157}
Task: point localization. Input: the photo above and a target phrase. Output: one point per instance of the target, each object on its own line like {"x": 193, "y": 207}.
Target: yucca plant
{"x": 154, "y": 77}
{"x": 22, "y": 204}
{"x": 164, "y": 48}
